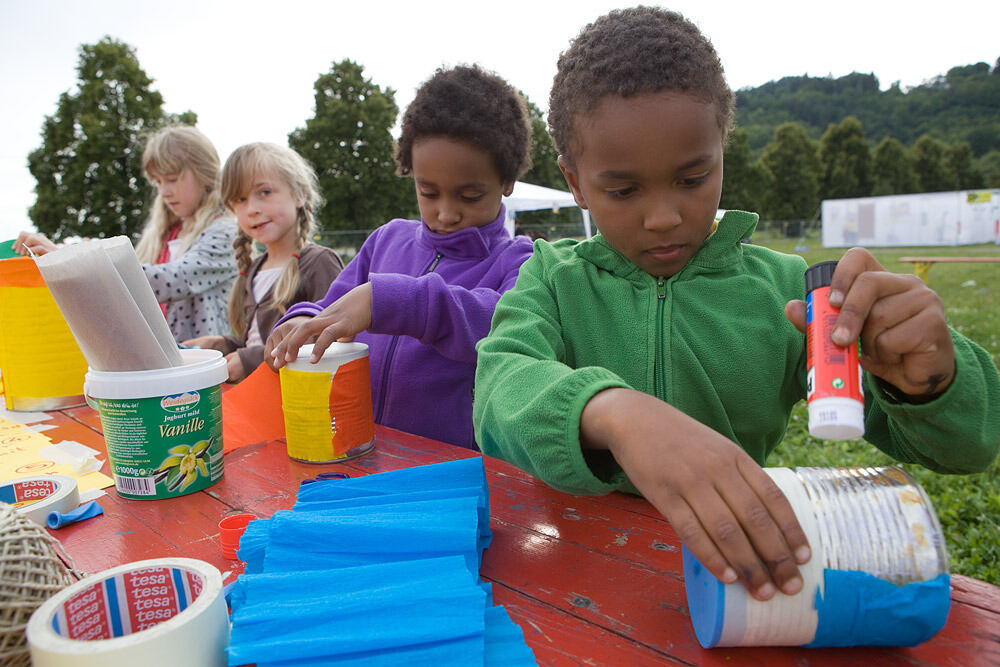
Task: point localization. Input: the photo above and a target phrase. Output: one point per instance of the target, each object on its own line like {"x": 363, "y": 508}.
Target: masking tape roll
{"x": 34, "y": 497}
{"x": 162, "y": 612}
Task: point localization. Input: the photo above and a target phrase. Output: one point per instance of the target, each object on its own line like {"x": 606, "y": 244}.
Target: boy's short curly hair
{"x": 632, "y": 51}
{"x": 470, "y": 104}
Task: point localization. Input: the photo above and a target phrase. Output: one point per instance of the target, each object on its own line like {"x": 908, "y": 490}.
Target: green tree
{"x": 928, "y": 164}
{"x": 846, "y": 161}
{"x": 989, "y": 165}
{"x": 744, "y": 179}
{"x": 893, "y": 169}
{"x": 793, "y": 162}
{"x": 349, "y": 144}
{"x": 88, "y": 170}
{"x": 959, "y": 162}
{"x": 544, "y": 156}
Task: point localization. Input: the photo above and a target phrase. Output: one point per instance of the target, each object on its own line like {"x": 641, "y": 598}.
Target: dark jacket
{"x": 318, "y": 266}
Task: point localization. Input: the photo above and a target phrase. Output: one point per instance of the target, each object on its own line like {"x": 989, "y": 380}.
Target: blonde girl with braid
{"x": 273, "y": 192}
{"x": 186, "y": 244}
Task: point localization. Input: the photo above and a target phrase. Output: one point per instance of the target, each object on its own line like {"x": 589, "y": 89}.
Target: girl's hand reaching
{"x": 341, "y": 321}
{"x": 723, "y": 506}
{"x": 904, "y": 334}
{"x": 235, "y": 366}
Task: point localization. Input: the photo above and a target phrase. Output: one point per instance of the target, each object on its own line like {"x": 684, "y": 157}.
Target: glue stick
{"x": 833, "y": 378}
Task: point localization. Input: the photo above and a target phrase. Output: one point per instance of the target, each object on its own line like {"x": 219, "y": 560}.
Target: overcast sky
{"x": 247, "y": 68}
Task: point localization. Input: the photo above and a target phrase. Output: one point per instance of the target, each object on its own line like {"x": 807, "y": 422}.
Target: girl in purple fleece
{"x": 421, "y": 293}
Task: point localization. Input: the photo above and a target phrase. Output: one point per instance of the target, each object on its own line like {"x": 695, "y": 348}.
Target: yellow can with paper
{"x": 40, "y": 361}
{"x": 328, "y": 405}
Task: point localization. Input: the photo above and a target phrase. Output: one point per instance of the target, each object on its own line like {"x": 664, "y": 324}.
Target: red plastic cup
{"x": 230, "y": 530}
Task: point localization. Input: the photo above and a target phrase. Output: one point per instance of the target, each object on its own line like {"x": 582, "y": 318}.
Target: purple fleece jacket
{"x": 432, "y": 300}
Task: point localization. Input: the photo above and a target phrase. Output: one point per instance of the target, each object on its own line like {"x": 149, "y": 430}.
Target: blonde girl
{"x": 186, "y": 243}
{"x": 273, "y": 192}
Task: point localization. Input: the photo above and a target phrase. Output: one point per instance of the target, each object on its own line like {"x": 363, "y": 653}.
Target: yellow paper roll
{"x": 39, "y": 357}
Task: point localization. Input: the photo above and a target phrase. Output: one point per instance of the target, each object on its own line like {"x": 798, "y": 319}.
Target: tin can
{"x": 877, "y": 549}
{"x": 328, "y": 405}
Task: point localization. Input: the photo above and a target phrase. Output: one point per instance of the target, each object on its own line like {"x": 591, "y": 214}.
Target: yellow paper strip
{"x": 305, "y": 400}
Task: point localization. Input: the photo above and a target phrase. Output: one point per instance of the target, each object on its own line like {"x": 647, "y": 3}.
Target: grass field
{"x": 968, "y": 506}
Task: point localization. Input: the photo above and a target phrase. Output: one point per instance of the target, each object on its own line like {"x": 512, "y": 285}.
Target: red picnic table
{"x": 590, "y": 580}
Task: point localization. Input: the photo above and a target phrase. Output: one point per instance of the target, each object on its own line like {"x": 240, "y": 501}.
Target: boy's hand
{"x": 726, "y": 509}
{"x": 341, "y": 321}
{"x": 277, "y": 335}
{"x": 901, "y": 322}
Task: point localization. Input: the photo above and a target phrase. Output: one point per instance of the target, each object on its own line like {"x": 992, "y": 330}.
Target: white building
{"x": 931, "y": 219}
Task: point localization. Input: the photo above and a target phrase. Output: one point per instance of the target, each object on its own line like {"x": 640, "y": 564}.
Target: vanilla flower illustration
{"x": 184, "y": 464}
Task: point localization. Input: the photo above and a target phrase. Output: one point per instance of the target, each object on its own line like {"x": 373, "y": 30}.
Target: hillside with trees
{"x": 799, "y": 140}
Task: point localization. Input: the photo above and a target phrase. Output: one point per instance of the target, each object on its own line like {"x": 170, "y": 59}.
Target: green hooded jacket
{"x": 712, "y": 341}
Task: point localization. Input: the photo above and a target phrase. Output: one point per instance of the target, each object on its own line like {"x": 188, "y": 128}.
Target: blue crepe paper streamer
{"x": 307, "y": 598}
{"x": 59, "y": 519}
{"x": 359, "y": 622}
{"x": 450, "y": 474}
{"x": 460, "y": 652}
{"x": 354, "y": 536}
{"x": 482, "y": 504}
{"x": 863, "y": 610}
{"x": 463, "y": 474}
{"x": 268, "y": 587}
{"x": 505, "y": 645}
{"x": 253, "y": 543}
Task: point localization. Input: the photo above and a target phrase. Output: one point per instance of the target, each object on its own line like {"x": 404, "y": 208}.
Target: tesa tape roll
{"x": 34, "y": 497}
{"x": 163, "y": 612}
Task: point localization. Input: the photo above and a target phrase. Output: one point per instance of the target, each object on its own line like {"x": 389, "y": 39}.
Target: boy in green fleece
{"x": 663, "y": 356}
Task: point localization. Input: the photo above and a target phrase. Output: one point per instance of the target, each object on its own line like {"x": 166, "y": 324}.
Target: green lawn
{"x": 968, "y": 506}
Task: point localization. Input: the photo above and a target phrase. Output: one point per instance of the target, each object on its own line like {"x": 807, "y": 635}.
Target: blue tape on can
{"x": 706, "y": 597}
{"x": 860, "y": 609}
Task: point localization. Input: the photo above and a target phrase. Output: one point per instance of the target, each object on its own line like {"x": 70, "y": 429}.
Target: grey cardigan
{"x": 196, "y": 285}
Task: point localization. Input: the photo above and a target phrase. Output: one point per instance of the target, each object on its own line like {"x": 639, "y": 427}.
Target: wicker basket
{"x": 32, "y": 569}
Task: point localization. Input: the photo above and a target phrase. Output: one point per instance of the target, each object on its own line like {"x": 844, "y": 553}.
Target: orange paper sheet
{"x": 251, "y": 410}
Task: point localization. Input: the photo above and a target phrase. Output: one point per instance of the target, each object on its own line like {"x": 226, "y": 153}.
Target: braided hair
{"x": 238, "y": 176}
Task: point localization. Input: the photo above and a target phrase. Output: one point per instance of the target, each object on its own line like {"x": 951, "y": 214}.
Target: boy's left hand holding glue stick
{"x": 905, "y": 339}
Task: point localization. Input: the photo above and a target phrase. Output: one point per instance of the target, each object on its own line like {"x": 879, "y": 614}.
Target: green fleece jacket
{"x": 712, "y": 341}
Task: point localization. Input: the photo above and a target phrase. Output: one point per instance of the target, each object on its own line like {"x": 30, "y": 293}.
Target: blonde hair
{"x": 173, "y": 150}
{"x": 238, "y": 175}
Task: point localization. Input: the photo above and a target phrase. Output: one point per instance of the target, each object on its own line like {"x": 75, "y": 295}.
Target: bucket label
{"x": 163, "y": 447}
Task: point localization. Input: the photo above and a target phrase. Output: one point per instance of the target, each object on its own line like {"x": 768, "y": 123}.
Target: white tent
{"x": 528, "y": 197}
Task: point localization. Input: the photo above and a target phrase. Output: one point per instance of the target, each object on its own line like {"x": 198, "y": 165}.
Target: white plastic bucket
{"x": 163, "y": 427}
